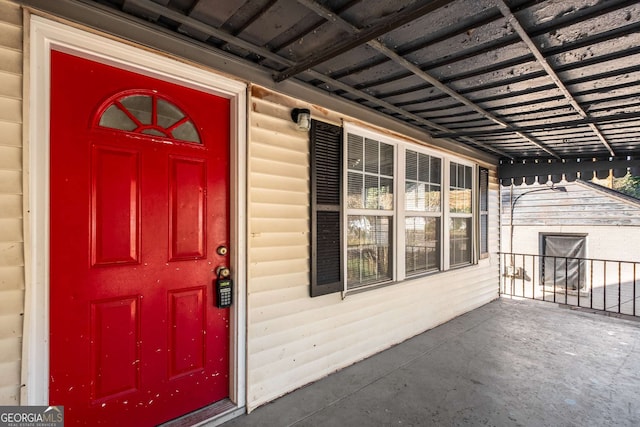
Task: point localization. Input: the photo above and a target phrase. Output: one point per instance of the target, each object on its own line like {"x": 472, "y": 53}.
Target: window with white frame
{"x": 370, "y": 210}
{"x": 460, "y": 214}
{"x": 423, "y": 212}
{"x": 406, "y": 210}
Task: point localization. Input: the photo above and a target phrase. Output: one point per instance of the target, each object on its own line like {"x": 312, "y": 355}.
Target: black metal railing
{"x": 607, "y": 285}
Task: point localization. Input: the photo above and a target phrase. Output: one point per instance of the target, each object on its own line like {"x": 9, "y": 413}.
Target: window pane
{"x": 354, "y": 148}
{"x": 115, "y": 118}
{"x": 414, "y": 196}
{"x": 453, "y": 174}
{"x": 374, "y": 190}
{"x": 386, "y": 194}
{"x": 355, "y": 188}
{"x": 461, "y": 177}
{"x": 167, "y": 113}
{"x": 386, "y": 159}
{"x": 139, "y": 106}
{"x": 423, "y": 168}
{"x": 467, "y": 177}
{"x": 435, "y": 167}
{"x": 368, "y": 249}
{"x": 371, "y": 191}
{"x": 460, "y": 190}
{"x": 371, "y": 156}
{"x": 460, "y": 241}
{"x": 424, "y": 190}
{"x": 411, "y": 165}
{"x": 422, "y": 244}
{"x": 186, "y": 132}
{"x": 434, "y": 198}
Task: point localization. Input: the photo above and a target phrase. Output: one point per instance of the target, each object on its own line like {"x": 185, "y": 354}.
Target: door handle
{"x": 223, "y": 272}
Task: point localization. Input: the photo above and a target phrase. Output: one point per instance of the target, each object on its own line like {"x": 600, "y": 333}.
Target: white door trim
{"x": 46, "y": 35}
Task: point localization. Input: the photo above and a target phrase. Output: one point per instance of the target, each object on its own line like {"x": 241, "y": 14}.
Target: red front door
{"x": 139, "y": 217}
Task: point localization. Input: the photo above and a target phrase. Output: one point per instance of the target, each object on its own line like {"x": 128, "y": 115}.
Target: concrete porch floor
{"x": 507, "y": 363}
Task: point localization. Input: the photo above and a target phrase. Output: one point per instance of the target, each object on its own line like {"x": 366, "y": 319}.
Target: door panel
{"x": 187, "y": 189}
{"x": 115, "y": 334}
{"x": 186, "y": 319}
{"x": 139, "y": 202}
{"x": 115, "y": 215}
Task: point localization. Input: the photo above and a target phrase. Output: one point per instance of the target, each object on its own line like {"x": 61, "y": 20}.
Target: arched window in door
{"x": 147, "y": 113}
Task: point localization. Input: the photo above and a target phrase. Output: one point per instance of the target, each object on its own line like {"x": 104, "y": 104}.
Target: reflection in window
{"x": 149, "y": 114}
{"x": 460, "y": 241}
{"x": 370, "y": 177}
{"x": 422, "y": 205}
{"x": 460, "y": 188}
{"x": 368, "y": 247}
{"x": 422, "y": 244}
{"x": 460, "y": 206}
{"x": 369, "y": 188}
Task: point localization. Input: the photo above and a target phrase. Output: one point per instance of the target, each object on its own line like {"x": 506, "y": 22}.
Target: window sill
{"x": 378, "y": 285}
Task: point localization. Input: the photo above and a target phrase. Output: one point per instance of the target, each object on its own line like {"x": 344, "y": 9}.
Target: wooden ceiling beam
{"x": 362, "y": 37}
{"x": 542, "y": 61}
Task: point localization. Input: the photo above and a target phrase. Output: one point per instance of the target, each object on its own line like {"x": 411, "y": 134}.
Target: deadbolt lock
{"x": 223, "y": 272}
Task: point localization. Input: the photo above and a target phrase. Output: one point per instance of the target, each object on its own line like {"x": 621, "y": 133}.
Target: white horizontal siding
{"x": 11, "y": 220}
{"x": 294, "y": 339}
{"x": 10, "y": 60}
{"x": 9, "y": 377}
{"x": 10, "y": 205}
{"x": 11, "y": 133}
{"x": 11, "y": 277}
{"x": 12, "y": 84}
{"x": 580, "y": 205}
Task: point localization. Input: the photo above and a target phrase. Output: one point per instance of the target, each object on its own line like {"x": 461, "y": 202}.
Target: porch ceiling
{"x": 518, "y": 79}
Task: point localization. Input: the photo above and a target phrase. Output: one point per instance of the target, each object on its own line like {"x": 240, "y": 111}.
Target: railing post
{"x": 523, "y": 270}
{"x": 634, "y": 288}
{"x": 579, "y": 277}
{"x": 604, "y": 289}
{"x": 591, "y": 285}
{"x": 554, "y": 278}
{"x": 566, "y": 280}
{"x": 533, "y": 277}
{"x": 544, "y": 283}
{"x": 619, "y": 286}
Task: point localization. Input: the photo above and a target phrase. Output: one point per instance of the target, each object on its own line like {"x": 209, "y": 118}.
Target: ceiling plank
{"x": 542, "y": 60}
{"x": 557, "y": 125}
{"x": 200, "y": 26}
{"x": 414, "y": 69}
{"x": 364, "y": 36}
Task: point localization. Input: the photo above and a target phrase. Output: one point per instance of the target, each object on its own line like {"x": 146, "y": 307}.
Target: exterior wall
{"x": 12, "y": 281}
{"x": 611, "y": 223}
{"x": 615, "y": 243}
{"x": 294, "y": 339}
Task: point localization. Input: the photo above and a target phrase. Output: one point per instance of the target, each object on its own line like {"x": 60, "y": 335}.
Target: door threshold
{"x": 209, "y": 416}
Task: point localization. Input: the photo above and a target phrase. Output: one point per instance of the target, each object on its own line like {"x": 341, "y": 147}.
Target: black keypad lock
{"x": 224, "y": 292}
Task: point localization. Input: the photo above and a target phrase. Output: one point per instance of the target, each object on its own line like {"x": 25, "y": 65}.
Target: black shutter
{"x": 326, "y": 196}
{"x": 484, "y": 212}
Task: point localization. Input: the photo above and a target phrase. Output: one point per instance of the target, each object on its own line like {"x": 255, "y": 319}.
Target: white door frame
{"x": 46, "y": 35}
